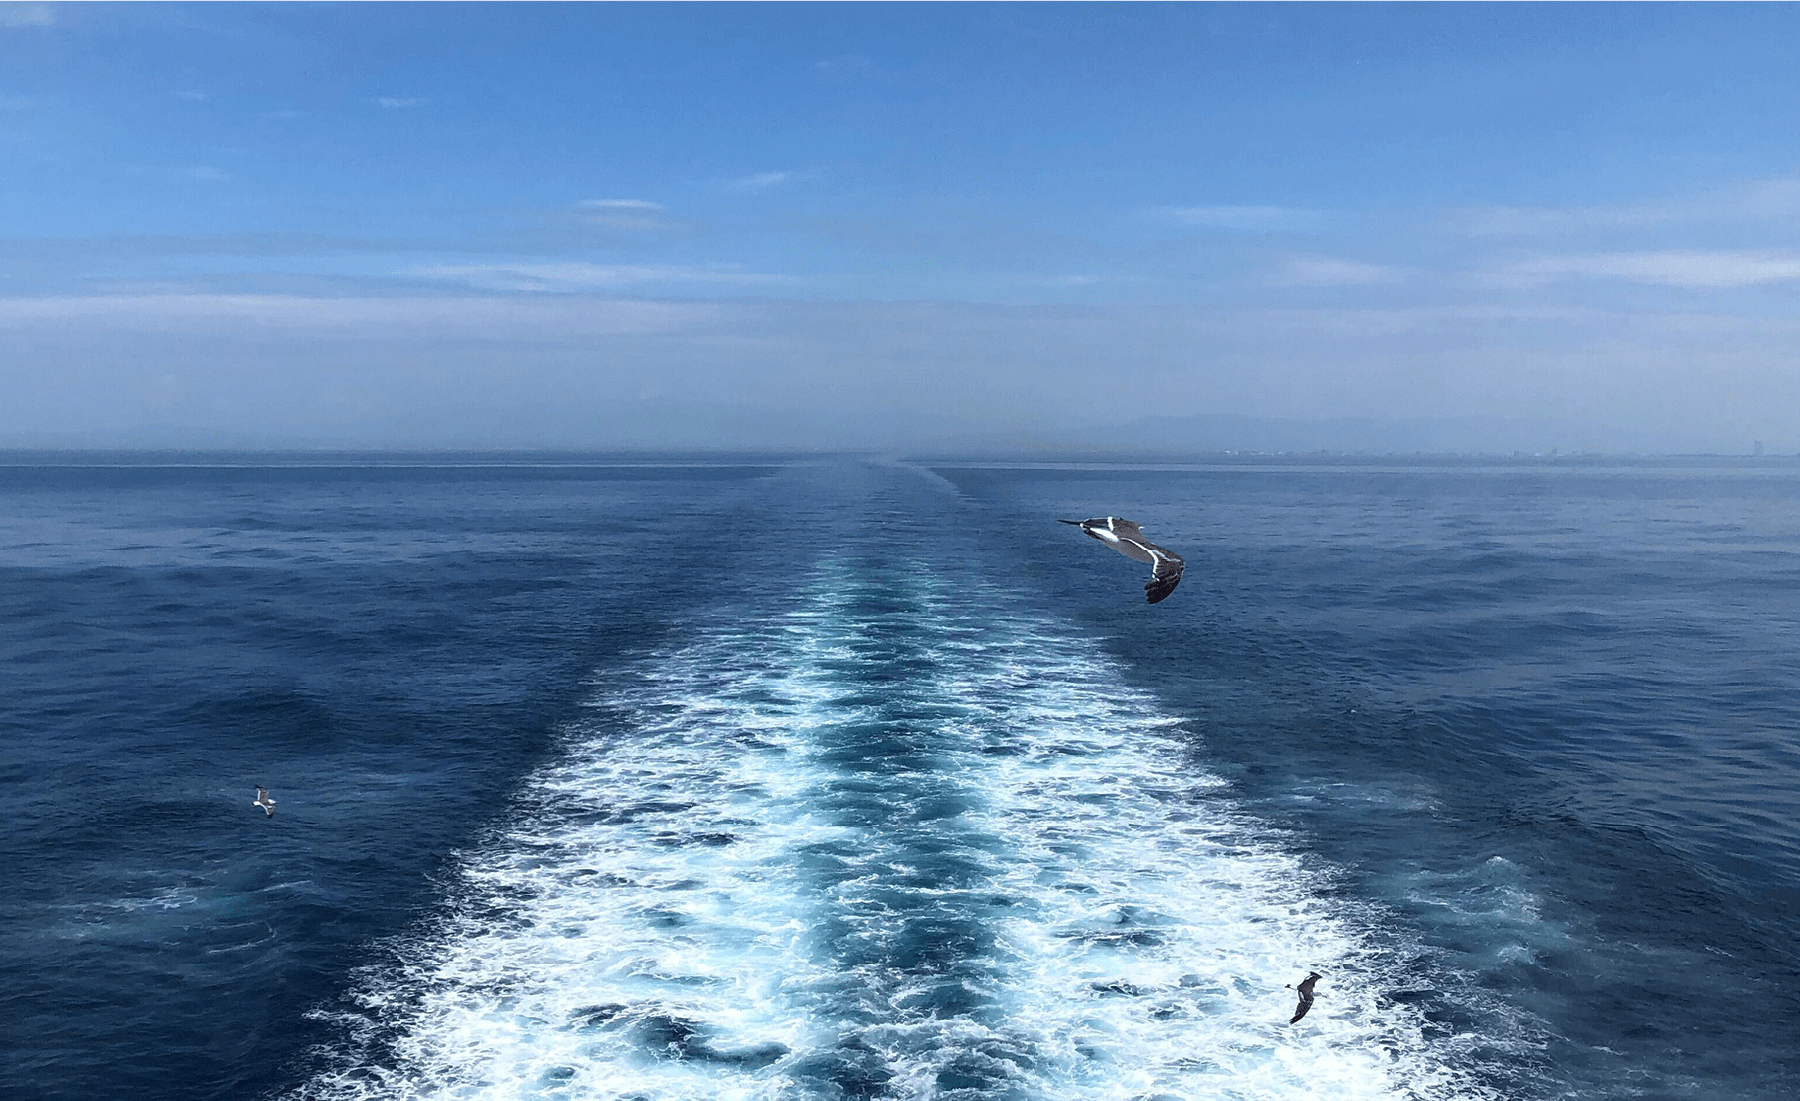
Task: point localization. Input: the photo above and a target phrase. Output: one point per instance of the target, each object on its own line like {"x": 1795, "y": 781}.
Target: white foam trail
{"x": 687, "y": 911}
{"x": 634, "y": 936}
{"x": 1162, "y": 924}
{"x": 1150, "y": 925}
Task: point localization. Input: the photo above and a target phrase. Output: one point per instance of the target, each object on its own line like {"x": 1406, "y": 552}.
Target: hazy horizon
{"x": 1037, "y": 228}
{"x": 740, "y": 432}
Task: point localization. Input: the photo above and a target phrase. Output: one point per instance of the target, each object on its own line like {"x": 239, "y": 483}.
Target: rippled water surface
{"x": 835, "y": 779}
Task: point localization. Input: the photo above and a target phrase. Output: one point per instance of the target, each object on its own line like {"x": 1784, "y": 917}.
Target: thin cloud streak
{"x": 626, "y": 215}
{"x": 1332, "y": 271}
{"x": 27, "y": 15}
{"x": 507, "y": 317}
{"x": 1746, "y": 202}
{"x": 618, "y": 204}
{"x": 766, "y": 179}
{"x": 1530, "y": 221}
{"x": 586, "y": 276}
{"x": 1688, "y": 269}
{"x": 1254, "y": 219}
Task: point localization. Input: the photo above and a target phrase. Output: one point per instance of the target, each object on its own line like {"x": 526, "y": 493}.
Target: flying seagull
{"x": 1125, "y": 537}
{"x": 264, "y": 800}
{"x": 1306, "y": 995}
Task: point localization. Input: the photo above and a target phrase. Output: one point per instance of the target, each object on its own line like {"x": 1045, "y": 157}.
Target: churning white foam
{"x": 657, "y": 925}
{"x": 634, "y": 935}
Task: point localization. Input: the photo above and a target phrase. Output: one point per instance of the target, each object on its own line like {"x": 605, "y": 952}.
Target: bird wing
{"x": 1300, "y": 1010}
{"x": 1135, "y": 548}
{"x": 1128, "y": 539}
{"x": 1121, "y": 535}
{"x": 1165, "y": 570}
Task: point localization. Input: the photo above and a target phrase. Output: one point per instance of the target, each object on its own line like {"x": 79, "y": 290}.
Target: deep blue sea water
{"x": 836, "y": 778}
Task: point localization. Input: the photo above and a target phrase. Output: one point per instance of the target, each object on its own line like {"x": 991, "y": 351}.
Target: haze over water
{"x": 779, "y": 778}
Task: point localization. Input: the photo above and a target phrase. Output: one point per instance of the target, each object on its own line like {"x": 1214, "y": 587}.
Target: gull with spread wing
{"x": 1125, "y": 537}
{"x": 1305, "y": 990}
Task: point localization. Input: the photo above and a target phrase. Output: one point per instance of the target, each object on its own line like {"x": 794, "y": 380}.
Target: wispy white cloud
{"x": 582, "y": 276}
{"x": 400, "y": 103}
{"x": 198, "y": 173}
{"x": 618, "y": 204}
{"x": 402, "y": 315}
{"x": 626, "y": 215}
{"x": 1750, "y": 201}
{"x": 1332, "y": 271}
{"x": 1262, "y": 219}
{"x": 27, "y": 15}
{"x": 1387, "y": 319}
{"x": 767, "y": 179}
{"x": 1529, "y": 221}
{"x": 1770, "y": 198}
{"x": 1692, "y": 269}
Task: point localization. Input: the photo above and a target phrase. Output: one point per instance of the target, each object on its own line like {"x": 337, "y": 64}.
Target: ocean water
{"x": 838, "y": 778}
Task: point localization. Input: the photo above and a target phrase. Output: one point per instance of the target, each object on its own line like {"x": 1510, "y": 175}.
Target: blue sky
{"x": 519, "y": 225}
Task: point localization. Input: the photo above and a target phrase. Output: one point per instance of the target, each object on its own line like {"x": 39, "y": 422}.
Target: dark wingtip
{"x": 1077, "y": 523}
{"x": 1155, "y": 591}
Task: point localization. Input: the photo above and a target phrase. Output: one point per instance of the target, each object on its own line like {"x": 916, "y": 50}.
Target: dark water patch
{"x": 597, "y": 1014}
{"x": 854, "y": 1069}
{"x": 703, "y": 837}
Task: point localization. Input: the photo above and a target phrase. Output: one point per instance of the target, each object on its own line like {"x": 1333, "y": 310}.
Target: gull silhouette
{"x": 1305, "y": 990}
{"x": 1125, "y": 537}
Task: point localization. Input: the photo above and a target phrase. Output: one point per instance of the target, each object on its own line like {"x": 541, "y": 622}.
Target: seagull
{"x": 264, "y": 800}
{"x": 1124, "y": 536}
{"x": 1306, "y": 995}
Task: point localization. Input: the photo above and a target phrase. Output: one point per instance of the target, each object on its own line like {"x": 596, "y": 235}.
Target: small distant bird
{"x": 1125, "y": 537}
{"x": 1305, "y": 990}
{"x": 264, "y": 800}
